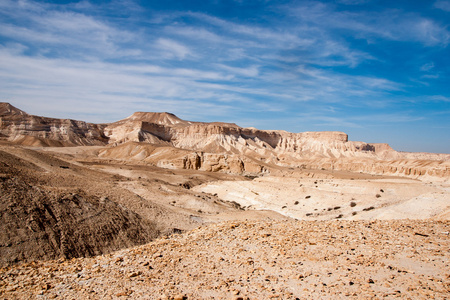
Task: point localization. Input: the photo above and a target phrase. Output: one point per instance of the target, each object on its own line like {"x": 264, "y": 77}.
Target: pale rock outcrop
{"x": 216, "y": 146}
{"x": 232, "y": 139}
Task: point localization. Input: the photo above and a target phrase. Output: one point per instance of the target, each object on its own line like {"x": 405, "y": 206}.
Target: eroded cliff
{"x": 217, "y": 146}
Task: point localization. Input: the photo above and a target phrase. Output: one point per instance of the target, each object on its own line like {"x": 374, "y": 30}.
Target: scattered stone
{"x": 254, "y": 260}
{"x": 421, "y": 234}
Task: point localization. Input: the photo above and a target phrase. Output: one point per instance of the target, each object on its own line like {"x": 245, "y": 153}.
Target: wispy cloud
{"x": 389, "y": 24}
{"x": 427, "y": 67}
{"x": 442, "y": 4}
{"x": 172, "y": 48}
{"x": 353, "y": 2}
{"x": 439, "y": 98}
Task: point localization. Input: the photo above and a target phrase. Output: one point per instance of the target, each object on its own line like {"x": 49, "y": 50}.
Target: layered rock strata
{"x": 23, "y": 128}
{"x": 216, "y": 146}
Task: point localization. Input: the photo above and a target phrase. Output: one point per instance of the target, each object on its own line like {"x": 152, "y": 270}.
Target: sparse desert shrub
{"x": 381, "y": 190}
{"x": 329, "y": 209}
{"x": 336, "y": 207}
{"x": 352, "y": 204}
{"x": 309, "y": 214}
{"x": 296, "y": 202}
{"x": 354, "y": 213}
{"x": 378, "y": 195}
{"x": 307, "y": 197}
{"x": 340, "y": 216}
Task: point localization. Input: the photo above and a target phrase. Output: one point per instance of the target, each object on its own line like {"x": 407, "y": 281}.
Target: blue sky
{"x": 377, "y": 70}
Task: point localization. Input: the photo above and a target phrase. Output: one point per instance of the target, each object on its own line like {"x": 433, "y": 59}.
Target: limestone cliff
{"x": 167, "y": 129}
{"x": 22, "y": 128}
{"x": 216, "y": 146}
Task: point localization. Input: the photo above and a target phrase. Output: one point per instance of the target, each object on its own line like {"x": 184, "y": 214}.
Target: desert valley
{"x": 156, "y": 207}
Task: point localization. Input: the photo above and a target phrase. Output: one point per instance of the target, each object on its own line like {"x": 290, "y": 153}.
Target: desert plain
{"x": 155, "y": 207}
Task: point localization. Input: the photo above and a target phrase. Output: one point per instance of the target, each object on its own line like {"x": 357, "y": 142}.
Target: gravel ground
{"x": 256, "y": 260}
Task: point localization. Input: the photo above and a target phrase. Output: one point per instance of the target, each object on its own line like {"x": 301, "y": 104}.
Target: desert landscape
{"x": 156, "y": 207}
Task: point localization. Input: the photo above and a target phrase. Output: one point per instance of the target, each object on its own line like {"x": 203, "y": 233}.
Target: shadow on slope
{"x": 39, "y": 221}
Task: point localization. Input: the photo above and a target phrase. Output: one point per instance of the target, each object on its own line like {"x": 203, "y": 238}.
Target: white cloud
{"x": 440, "y": 98}
{"x": 353, "y": 2}
{"x": 172, "y": 48}
{"x": 65, "y": 33}
{"x": 444, "y": 5}
{"x": 388, "y": 24}
{"x": 57, "y": 60}
{"x": 427, "y": 67}
{"x": 251, "y": 71}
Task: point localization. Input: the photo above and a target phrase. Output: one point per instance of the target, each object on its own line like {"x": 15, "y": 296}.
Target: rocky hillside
{"x": 256, "y": 260}
{"x": 225, "y": 147}
{"x": 47, "y": 214}
{"x": 167, "y": 129}
{"x": 73, "y": 204}
{"x": 22, "y": 128}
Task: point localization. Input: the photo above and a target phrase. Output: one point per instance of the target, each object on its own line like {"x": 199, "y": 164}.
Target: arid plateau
{"x": 156, "y": 207}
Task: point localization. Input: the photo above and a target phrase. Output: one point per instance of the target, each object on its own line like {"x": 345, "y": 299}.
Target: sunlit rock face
{"x": 217, "y": 146}
{"x": 22, "y": 128}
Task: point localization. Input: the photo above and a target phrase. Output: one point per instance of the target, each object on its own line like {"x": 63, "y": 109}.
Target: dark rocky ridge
{"x": 38, "y": 220}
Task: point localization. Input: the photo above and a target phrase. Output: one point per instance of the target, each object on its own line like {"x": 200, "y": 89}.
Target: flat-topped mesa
{"x": 162, "y": 118}
{"x": 329, "y": 136}
{"x": 167, "y": 129}
{"x": 220, "y": 137}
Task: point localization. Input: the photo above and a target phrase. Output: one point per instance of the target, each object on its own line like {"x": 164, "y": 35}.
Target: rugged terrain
{"x": 256, "y": 260}
{"x": 213, "y": 210}
{"x": 164, "y": 140}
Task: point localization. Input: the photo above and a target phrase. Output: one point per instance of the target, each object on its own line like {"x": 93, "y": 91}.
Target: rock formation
{"x": 22, "y": 128}
{"x": 216, "y": 146}
{"x": 307, "y": 216}
{"x": 43, "y": 217}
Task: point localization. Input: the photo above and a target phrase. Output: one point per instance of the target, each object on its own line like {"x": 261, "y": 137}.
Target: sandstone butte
{"x": 156, "y": 207}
